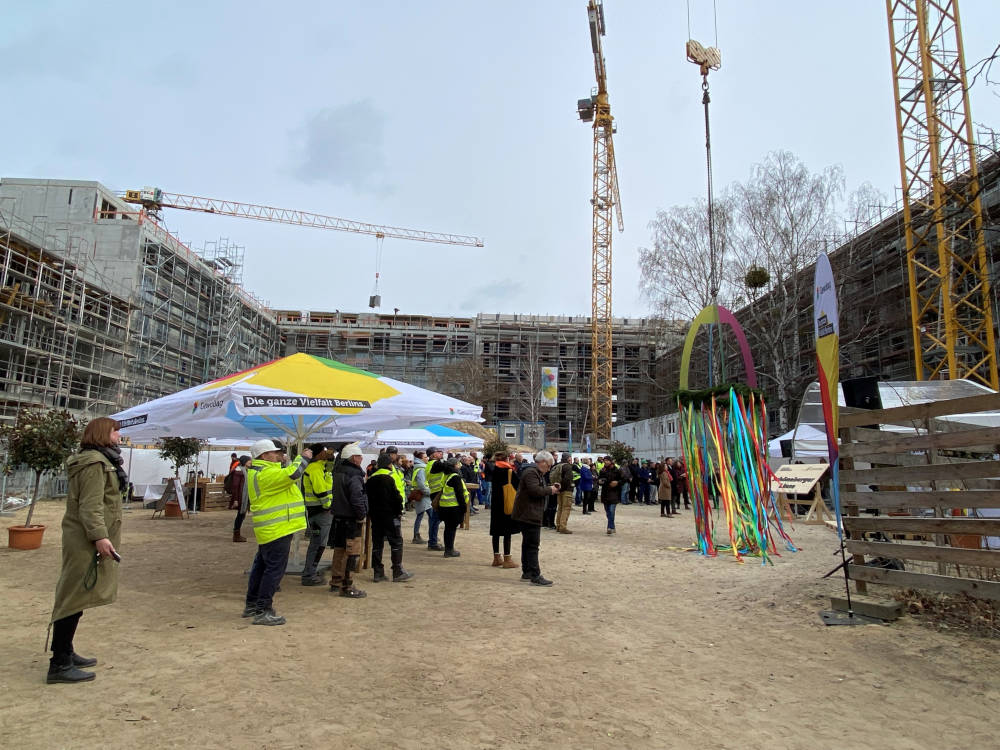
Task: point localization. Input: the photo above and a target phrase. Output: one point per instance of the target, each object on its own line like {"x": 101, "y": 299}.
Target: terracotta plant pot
{"x": 172, "y": 510}
{"x": 25, "y": 537}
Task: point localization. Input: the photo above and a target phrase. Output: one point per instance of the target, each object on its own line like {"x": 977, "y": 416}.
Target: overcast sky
{"x": 445, "y": 115}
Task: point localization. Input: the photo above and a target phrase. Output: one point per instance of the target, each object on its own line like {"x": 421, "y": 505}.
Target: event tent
{"x": 295, "y": 398}
{"x": 423, "y": 438}
{"x": 807, "y": 442}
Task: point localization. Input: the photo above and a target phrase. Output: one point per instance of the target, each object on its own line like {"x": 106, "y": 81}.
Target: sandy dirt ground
{"x": 637, "y": 645}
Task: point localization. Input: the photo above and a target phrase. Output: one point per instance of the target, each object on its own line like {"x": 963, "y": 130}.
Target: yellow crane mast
{"x": 597, "y": 109}
{"x": 943, "y": 216}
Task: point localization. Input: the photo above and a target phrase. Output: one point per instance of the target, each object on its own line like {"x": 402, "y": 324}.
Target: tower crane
{"x": 154, "y": 200}
{"x": 949, "y": 278}
{"x": 597, "y": 109}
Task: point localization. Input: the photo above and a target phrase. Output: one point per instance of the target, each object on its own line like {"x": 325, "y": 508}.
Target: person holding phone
{"x": 529, "y": 506}
{"x": 91, "y": 531}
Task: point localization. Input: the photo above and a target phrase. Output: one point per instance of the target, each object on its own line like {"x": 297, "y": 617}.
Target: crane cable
{"x": 379, "y": 242}
{"x": 715, "y": 263}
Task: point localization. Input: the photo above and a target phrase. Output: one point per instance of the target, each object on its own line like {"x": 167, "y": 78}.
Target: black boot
{"x": 398, "y": 573}
{"x": 379, "y": 575}
{"x": 82, "y": 661}
{"x": 62, "y": 669}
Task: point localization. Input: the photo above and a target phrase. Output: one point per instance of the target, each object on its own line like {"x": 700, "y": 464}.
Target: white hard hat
{"x": 349, "y": 450}
{"x": 263, "y": 446}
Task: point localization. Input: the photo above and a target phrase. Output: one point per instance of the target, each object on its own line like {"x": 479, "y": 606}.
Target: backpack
{"x": 509, "y": 493}
{"x": 227, "y": 483}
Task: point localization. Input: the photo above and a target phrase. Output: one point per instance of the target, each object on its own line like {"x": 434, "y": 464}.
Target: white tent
{"x": 807, "y": 442}
{"x": 423, "y": 438}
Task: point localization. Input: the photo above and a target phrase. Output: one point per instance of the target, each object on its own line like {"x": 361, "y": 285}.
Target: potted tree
{"x": 179, "y": 452}
{"x": 40, "y": 440}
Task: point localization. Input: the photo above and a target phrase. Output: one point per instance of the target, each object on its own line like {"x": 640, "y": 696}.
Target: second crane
{"x": 597, "y": 109}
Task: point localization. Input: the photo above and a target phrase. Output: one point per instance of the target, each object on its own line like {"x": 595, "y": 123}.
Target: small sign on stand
{"x": 174, "y": 491}
{"x": 802, "y": 479}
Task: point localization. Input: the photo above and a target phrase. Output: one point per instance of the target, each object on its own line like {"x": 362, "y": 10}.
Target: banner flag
{"x": 826, "y": 324}
{"x": 550, "y": 386}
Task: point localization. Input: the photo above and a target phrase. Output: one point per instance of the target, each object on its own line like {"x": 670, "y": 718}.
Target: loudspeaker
{"x": 862, "y": 393}
{"x": 786, "y": 448}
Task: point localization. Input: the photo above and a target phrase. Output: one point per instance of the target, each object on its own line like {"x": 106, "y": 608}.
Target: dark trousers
{"x": 549, "y": 514}
{"x": 506, "y": 544}
{"x": 451, "y": 516}
{"x": 63, "y": 631}
{"x": 387, "y": 532}
{"x": 633, "y": 490}
{"x": 589, "y": 498}
{"x": 531, "y": 537}
{"x": 238, "y": 524}
{"x": 666, "y": 507}
{"x": 644, "y": 494}
{"x": 266, "y": 572}
{"x": 683, "y": 490}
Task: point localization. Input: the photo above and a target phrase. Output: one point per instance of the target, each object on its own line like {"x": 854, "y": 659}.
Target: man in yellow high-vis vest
{"x": 435, "y": 474}
{"x": 278, "y": 510}
{"x": 317, "y": 488}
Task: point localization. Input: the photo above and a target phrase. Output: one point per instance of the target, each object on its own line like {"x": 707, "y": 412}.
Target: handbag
{"x": 415, "y": 495}
{"x": 509, "y": 493}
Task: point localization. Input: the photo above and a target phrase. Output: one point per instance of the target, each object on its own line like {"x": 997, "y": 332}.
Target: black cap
{"x": 433, "y": 449}
{"x": 392, "y": 449}
{"x": 317, "y": 448}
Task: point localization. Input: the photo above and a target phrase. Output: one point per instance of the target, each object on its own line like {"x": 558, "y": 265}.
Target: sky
{"x": 445, "y": 115}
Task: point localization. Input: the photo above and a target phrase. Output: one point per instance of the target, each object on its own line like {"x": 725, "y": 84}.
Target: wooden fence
{"x": 921, "y": 485}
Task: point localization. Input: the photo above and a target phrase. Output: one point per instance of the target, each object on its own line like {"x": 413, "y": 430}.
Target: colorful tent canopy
{"x": 422, "y": 438}
{"x": 296, "y": 397}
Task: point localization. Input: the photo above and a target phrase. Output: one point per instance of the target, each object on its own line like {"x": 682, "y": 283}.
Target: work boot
{"x": 62, "y": 669}
{"x": 353, "y": 593}
{"x": 251, "y": 610}
{"x": 452, "y": 553}
{"x": 237, "y": 537}
{"x": 337, "y": 566}
{"x": 417, "y": 539}
{"x": 508, "y": 563}
{"x": 82, "y": 661}
{"x": 435, "y": 547}
{"x": 313, "y": 580}
{"x": 398, "y": 576}
{"x": 379, "y": 576}
{"x": 564, "y": 531}
{"x": 497, "y": 560}
{"x": 268, "y": 617}
{"x": 540, "y": 581}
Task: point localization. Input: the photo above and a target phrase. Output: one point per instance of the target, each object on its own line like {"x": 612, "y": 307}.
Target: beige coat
{"x": 93, "y": 511}
{"x": 663, "y": 491}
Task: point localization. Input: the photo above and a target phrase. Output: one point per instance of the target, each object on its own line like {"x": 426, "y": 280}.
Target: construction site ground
{"x": 637, "y": 645}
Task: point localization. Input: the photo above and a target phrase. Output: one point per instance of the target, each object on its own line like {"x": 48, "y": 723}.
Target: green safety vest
{"x": 448, "y": 497}
{"x": 576, "y": 474}
{"x": 317, "y": 485}
{"x": 400, "y": 480}
{"x": 276, "y": 504}
{"x": 434, "y": 481}
{"x": 390, "y": 473}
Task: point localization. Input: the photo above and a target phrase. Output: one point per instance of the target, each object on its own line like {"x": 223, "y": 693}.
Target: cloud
{"x": 499, "y": 296}
{"x": 343, "y": 146}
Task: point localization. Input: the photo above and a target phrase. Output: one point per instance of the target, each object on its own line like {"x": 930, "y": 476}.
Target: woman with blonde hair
{"x": 91, "y": 530}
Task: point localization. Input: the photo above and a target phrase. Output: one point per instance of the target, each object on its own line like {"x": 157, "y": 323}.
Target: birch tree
{"x": 785, "y": 216}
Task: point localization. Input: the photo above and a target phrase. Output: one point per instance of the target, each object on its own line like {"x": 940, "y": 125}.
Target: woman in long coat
{"x": 663, "y": 491}
{"x": 91, "y": 530}
{"x": 499, "y": 472}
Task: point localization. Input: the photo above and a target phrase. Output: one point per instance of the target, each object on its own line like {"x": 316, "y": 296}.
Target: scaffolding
{"x": 62, "y": 338}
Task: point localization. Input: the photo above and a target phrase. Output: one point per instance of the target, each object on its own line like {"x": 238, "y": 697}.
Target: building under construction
{"x": 492, "y": 360}
{"x": 876, "y": 333}
{"x": 103, "y": 307}
{"x": 180, "y": 317}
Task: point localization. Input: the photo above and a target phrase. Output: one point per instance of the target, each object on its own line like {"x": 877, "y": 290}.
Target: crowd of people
{"x": 325, "y": 493}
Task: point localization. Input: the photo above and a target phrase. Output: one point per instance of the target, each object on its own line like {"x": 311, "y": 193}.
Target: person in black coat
{"x": 611, "y": 480}
{"x": 498, "y": 471}
{"x": 350, "y": 508}
{"x": 385, "y": 508}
